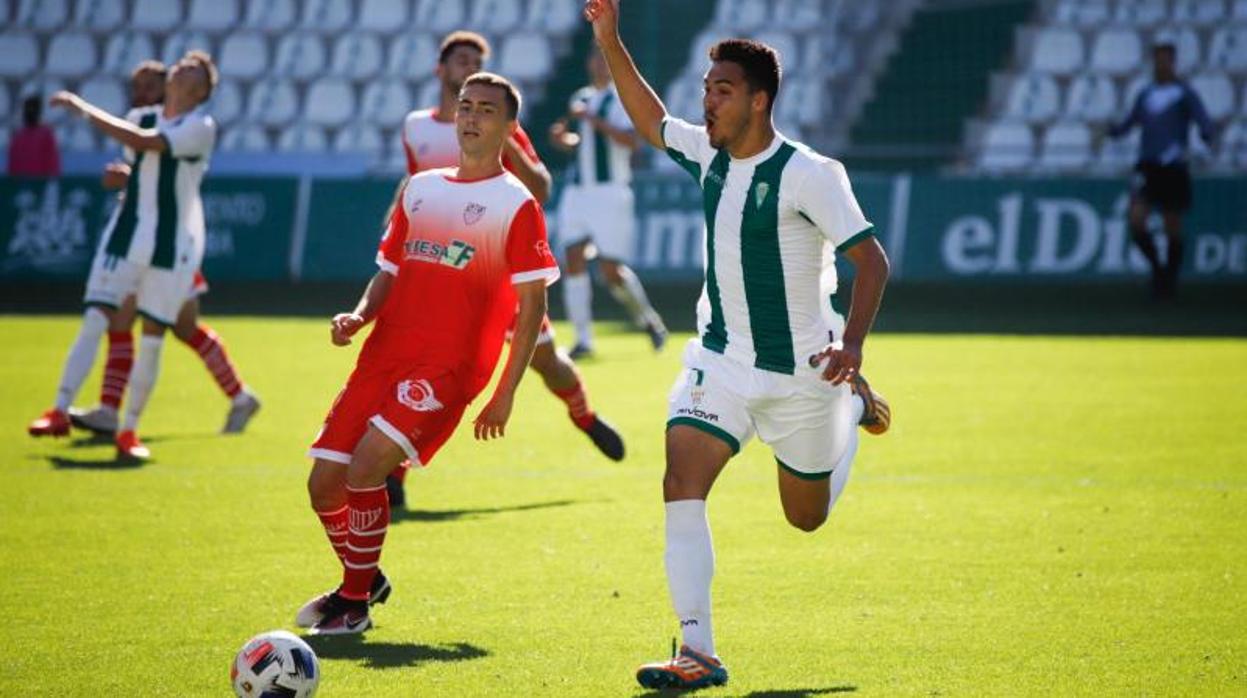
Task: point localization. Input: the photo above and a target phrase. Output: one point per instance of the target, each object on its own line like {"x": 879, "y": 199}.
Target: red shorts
{"x": 545, "y": 336}
{"x": 416, "y": 407}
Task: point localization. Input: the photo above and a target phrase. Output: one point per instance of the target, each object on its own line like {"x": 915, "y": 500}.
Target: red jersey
{"x": 456, "y": 247}
{"x": 431, "y": 144}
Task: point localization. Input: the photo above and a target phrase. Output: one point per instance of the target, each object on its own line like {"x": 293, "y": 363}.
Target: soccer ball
{"x": 276, "y": 664}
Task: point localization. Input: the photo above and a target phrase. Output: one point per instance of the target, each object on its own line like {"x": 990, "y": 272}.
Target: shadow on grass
{"x": 776, "y": 693}
{"x": 391, "y": 655}
{"x": 61, "y": 463}
{"x": 432, "y": 516}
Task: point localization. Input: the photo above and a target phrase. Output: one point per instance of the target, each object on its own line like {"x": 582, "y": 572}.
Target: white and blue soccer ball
{"x": 276, "y": 664}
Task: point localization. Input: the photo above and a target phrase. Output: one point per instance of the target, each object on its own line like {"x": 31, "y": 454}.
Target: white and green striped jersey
{"x": 601, "y": 160}
{"x": 768, "y": 218}
{"x": 160, "y": 221}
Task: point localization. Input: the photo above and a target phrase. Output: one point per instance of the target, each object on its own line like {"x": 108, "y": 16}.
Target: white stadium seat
{"x": 428, "y": 95}
{"x": 19, "y": 55}
{"x": 438, "y": 16}
{"x": 412, "y": 56}
{"x": 1066, "y": 146}
{"x": 107, "y": 93}
{"x": 272, "y": 102}
{"x": 1198, "y": 12}
{"x": 526, "y": 57}
{"x": 1118, "y": 155}
{"x": 227, "y": 102}
{"x": 4, "y": 138}
{"x": 1092, "y": 98}
{"x": 1232, "y": 154}
{"x": 1217, "y": 93}
{"x": 6, "y": 102}
{"x": 683, "y": 98}
{"x": 45, "y": 87}
{"x": 1228, "y": 49}
{"x": 495, "y": 16}
{"x": 212, "y": 15}
{"x": 125, "y": 50}
{"x": 801, "y": 101}
{"x": 326, "y": 16}
{"x": 557, "y": 17}
{"x": 299, "y": 56}
{"x": 330, "y": 102}
{"x": 385, "y": 103}
{"x": 798, "y": 15}
{"x": 785, "y": 43}
{"x": 1082, "y": 13}
{"x": 358, "y": 138}
{"x": 270, "y": 16}
{"x": 1007, "y": 147}
{"x": 100, "y": 15}
{"x": 179, "y": 43}
{"x": 244, "y": 55}
{"x": 70, "y": 55}
{"x": 43, "y": 15}
{"x": 155, "y": 15}
{"x": 245, "y": 138}
{"x": 1186, "y": 44}
{"x": 357, "y": 56}
{"x": 1140, "y": 13}
{"x": 698, "y": 55}
{"x": 1058, "y": 51}
{"x": 1034, "y": 98}
{"x": 77, "y": 137}
{"x": 740, "y": 15}
{"x": 303, "y": 139}
{"x": 861, "y": 16}
{"x": 382, "y": 15}
{"x": 1116, "y": 52}
{"x": 1239, "y": 11}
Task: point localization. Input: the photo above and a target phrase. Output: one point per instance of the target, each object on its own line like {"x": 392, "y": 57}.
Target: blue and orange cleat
{"x": 688, "y": 669}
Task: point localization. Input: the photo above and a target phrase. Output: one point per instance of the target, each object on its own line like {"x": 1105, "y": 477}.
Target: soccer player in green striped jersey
{"x": 765, "y": 360}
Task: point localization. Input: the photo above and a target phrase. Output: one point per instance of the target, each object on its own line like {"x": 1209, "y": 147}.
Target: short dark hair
{"x": 1165, "y": 47}
{"x": 759, "y": 61}
{"x": 205, "y": 62}
{"x": 150, "y": 66}
{"x": 511, "y": 93}
{"x": 32, "y": 110}
{"x": 459, "y": 38}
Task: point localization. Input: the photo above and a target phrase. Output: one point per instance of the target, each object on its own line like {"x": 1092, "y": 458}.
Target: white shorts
{"x": 160, "y": 292}
{"x": 602, "y": 214}
{"x": 807, "y": 422}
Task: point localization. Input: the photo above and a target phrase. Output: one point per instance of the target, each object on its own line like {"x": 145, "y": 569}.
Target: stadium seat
{"x": 1140, "y": 13}
{"x": 1239, "y": 11}
{"x": 1066, "y": 146}
{"x": 357, "y": 56}
{"x": 326, "y": 16}
{"x": 299, "y": 56}
{"x": 798, "y": 15}
{"x": 1058, "y": 51}
{"x": 1228, "y": 49}
{"x": 1007, "y": 146}
{"x": 212, "y": 15}
{"x": 330, "y": 102}
{"x": 358, "y": 138}
{"x": 269, "y": 16}
{"x": 785, "y": 43}
{"x": 1197, "y": 12}
{"x": 1186, "y": 44}
{"x": 4, "y": 138}
{"x": 429, "y": 95}
{"x": 385, "y": 103}
{"x": 107, "y": 93}
{"x": 77, "y": 137}
{"x": 244, "y": 55}
{"x": 155, "y": 15}
{"x": 6, "y": 102}
{"x": 801, "y": 103}
{"x": 45, "y": 87}
{"x": 698, "y": 56}
{"x": 19, "y": 55}
{"x": 100, "y": 15}
{"x": 814, "y": 56}
{"x": 438, "y": 16}
{"x": 179, "y": 43}
{"x": 42, "y": 15}
{"x": 272, "y": 102}
{"x": 303, "y": 139}
{"x": 526, "y": 57}
{"x": 245, "y": 138}
{"x": 384, "y": 16}
{"x": 861, "y": 16}
{"x": 227, "y": 102}
{"x": 1232, "y": 154}
{"x": 1116, "y": 52}
{"x": 1217, "y": 93}
{"x": 555, "y": 17}
{"x": 70, "y": 55}
{"x": 1091, "y": 98}
{"x": 126, "y": 50}
{"x": 683, "y": 98}
{"x": 495, "y": 16}
{"x": 412, "y": 56}
{"x": 740, "y": 16}
{"x": 1033, "y": 98}
{"x": 1082, "y": 13}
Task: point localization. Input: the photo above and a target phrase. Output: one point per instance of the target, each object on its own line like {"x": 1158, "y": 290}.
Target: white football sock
{"x": 578, "y": 301}
{"x": 840, "y": 476}
{"x": 142, "y": 379}
{"x": 81, "y": 356}
{"x": 690, "y": 566}
{"x": 631, "y": 295}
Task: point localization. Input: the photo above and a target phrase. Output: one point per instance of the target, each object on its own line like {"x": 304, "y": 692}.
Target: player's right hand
{"x": 116, "y": 175}
{"x": 604, "y": 15}
{"x": 343, "y": 326}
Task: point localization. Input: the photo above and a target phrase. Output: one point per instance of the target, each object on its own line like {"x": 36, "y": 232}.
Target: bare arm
{"x": 115, "y": 128}
{"x": 492, "y": 421}
{"x": 343, "y": 326}
{"x": 531, "y": 172}
{"x": 644, "y": 108}
{"x": 1132, "y": 119}
{"x": 871, "y": 264}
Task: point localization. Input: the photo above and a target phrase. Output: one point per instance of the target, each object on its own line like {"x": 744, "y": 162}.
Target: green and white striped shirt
{"x": 160, "y": 221}
{"x": 768, "y": 218}
{"x": 600, "y": 160}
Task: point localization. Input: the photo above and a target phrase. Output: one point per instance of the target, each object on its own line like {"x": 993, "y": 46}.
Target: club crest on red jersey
{"x": 543, "y": 248}
{"x": 418, "y": 395}
{"x": 473, "y": 213}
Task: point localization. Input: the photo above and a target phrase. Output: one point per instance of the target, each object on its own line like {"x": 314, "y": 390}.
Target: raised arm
{"x": 114, "y": 127}
{"x": 644, "y": 108}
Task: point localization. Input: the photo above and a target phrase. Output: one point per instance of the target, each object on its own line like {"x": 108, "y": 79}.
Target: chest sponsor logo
{"x": 759, "y": 194}
{"x": 472, "y": 213}
{"x": 417, "y": 395}
{"x": 457, "y": 254}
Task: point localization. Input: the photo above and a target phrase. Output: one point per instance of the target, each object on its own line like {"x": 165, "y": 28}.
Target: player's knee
{"x": 322, "y": 494}
{"x": 610, "y": 273}
{"x": 808, "y": 521}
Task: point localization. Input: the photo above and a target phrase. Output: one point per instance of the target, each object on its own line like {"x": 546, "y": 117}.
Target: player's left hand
{"x": 491, "y": 423}
{"x": 66, "y": 99}
{"x": 843, "y": 365}
{"x": 343, "y": 326}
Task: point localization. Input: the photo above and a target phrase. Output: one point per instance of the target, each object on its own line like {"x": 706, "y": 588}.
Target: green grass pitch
{"x": 1047, "y": 516}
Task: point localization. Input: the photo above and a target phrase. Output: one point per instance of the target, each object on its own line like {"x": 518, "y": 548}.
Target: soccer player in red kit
{"x": 464, "y": 246}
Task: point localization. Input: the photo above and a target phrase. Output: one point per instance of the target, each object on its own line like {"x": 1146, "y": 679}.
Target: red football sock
{"x": 335, "y": 527}
{"x": 577, "y": 404}
{"x": 117, "y": 368}
{"x": 369, "y": 519}
{"x": 208, "y": 345}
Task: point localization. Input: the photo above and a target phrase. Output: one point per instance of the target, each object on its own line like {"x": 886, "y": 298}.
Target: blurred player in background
{"x": 772, "y": 206}
{"x": 597, "y": 207}
{"x": 1164, "y": 111}
{"x": 473, "y": 237}
{"x": 429, "y": 142}
{"x": 154, "y": 242}
{"x": 147, "y": 88}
